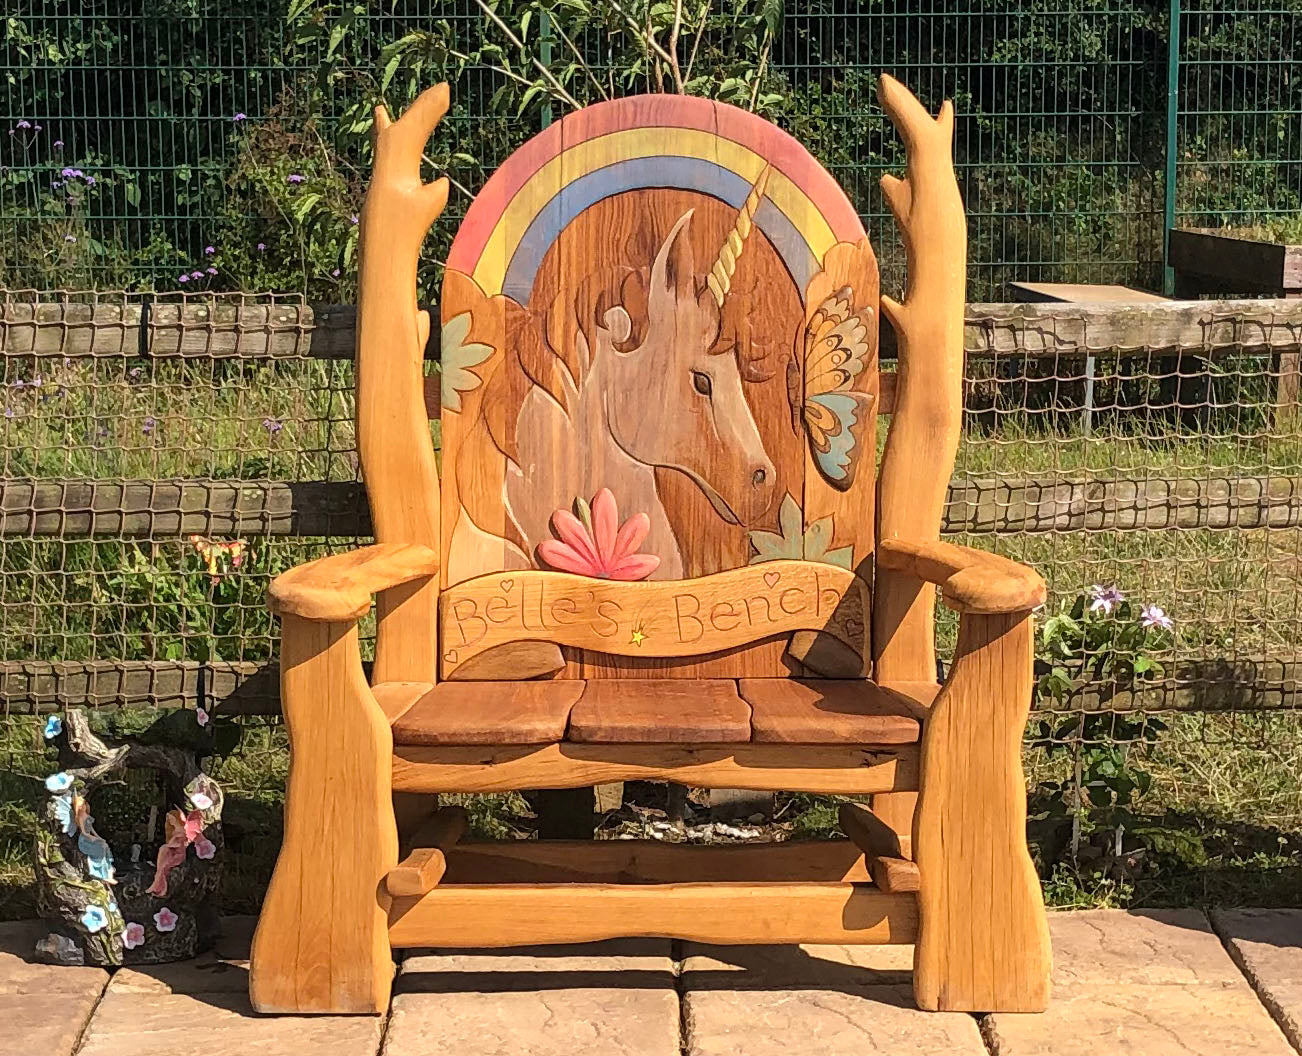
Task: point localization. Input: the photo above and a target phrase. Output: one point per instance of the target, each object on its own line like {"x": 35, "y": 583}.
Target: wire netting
{"x": 1062, "y": 142}
{"x": 147, "y": 143}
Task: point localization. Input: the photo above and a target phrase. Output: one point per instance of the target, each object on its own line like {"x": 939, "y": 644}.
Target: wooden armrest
{"x": 970, "y": 580}
{"x": 340, "y": 587}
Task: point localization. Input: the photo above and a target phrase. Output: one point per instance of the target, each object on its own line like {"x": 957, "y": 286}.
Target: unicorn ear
{"x": 616, "y": 320}
{"x": 674, "y": 268}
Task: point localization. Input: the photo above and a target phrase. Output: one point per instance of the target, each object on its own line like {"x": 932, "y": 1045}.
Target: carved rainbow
{"x": 649, "y": 141}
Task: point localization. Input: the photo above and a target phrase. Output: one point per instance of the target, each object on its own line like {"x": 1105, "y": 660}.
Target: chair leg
{"x": 895, "y": 810}
{"x": 322, "y": 943}
{"x": 983, "y": 938}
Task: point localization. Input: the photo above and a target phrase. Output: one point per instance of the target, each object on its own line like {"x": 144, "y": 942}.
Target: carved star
{"x": 638, "y": 636}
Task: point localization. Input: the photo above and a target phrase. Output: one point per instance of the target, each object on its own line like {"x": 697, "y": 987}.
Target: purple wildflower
{"x": 36, "y": 128}
{"x": 183, "y": 278}
{"x": 148, "y": 427}
{"x": 335, "y": 273}
{"x": 135, "y": 373}
{"x": 1155, "y": 617}
{"x": 295, "y": 177}
{"x": 56, "y": 184}
{"x": 262, "y": 247}
{"x": 272, "y": 425}
{"x": 209, "y": 250}
{"x": 196, "y": 274}
{"x": 70, "y": 238}
{"x": 1106, "y": 598}
{"x": 353, "y": 219}
{"x": 23, "y": 124}
{"x": 240, "y": 117}
{"x": 58, "y": 144}
{"x": 68, "y": 173}
{"x": 9, "y": 412}
{"x": 90, "y": 181}
{"x": 212, "y": 271}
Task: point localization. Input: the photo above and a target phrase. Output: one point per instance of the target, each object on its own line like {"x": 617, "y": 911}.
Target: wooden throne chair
{"x": 659, "y": 547}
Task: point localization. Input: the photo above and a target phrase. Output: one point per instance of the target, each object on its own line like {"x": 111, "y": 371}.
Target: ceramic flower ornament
{"x": 94, "y": 919}
{"x": 595, "y": 544}
{"x": 59, "y": 782}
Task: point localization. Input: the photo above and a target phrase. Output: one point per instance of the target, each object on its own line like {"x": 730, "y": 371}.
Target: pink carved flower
{"x": 165, "y": 920}
{"x": 596, "y": 544}
{"x": 133, "y": 935}
{"x": 204, "y": 848}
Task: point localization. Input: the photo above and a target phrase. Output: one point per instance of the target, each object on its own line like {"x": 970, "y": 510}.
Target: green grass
{"x": 1227, "y": 786}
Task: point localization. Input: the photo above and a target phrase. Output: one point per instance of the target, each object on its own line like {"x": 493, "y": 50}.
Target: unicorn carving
{"x": 628, "y": 369}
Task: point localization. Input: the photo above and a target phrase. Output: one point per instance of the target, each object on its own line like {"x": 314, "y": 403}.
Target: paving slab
{"x": 153, "y": 1023}
{"x": 1267, "y": 945}
{"x": 749, "y": 967}
{"x": 833, "y": 1000}
{"x": 222, "y": 970}
{"x": 1171, "y": 1019}
{"x": 44, "y": 1007}
{"x": 599, "y": 999}
{"x": 1150, "y": 983}
{"x": 1138, "y": 946}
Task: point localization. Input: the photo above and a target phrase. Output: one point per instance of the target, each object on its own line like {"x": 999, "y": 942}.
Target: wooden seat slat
{"x": 660, "y": 711}
{"x": 489, "y": 713}
{"x": 828, "y": 711}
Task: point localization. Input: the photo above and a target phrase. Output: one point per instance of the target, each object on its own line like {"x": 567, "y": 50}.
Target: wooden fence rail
{"x": 164, "y": 509}
{"x": 252, "y": 687}
{"x": 259, "y": 331}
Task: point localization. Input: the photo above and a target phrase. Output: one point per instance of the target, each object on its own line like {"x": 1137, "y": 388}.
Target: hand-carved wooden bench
{"x": 659, "y": 548}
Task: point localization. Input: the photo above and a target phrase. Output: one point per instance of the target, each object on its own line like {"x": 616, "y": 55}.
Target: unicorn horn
{"x": 720, "y": 278}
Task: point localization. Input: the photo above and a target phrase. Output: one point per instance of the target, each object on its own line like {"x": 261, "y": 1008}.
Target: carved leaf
{"x": 458, "y": 356}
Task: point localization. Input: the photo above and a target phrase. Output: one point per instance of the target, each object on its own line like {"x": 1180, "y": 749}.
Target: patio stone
{"x": 602, "y": 999}
{"x": 1267, "y": 945}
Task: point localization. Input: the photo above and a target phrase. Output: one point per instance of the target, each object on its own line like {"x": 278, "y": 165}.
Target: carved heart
{"x": 854, "y": 629}
{"x": 450, "y": 656}
{"x": 507, "y": 584}
{"x": 771, "y": 579}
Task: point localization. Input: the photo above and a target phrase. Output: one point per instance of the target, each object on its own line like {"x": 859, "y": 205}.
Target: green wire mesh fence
{"x": 176, "y": 146}
{"x": 139, "y": 134}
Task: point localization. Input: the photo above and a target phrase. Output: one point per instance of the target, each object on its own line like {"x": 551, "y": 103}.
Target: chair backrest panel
{"x": 659, "y": 361}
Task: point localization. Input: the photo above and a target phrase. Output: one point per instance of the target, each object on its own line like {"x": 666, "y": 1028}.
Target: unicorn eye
{"x": 701, "y": 383}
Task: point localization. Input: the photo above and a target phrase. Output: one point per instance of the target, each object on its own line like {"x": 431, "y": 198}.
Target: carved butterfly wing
{"x": 836, "y": 353}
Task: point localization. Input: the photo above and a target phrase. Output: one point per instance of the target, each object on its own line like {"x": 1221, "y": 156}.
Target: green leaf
{"x": 389, "y": 70}
{"x": 337, "y": 35}
{"x": 303, "y": 205}
{"x": 296, "y": 9}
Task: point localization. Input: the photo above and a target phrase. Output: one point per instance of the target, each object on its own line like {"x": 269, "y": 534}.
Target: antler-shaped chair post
{"x": 322, "y": 943}
{"x": 982, "y": 935}
{"x": 393, "y": 435}
{"x": 919, "y": 455}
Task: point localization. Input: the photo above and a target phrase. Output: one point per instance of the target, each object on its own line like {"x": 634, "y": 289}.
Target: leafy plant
{"x": 1103, "y": 641}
